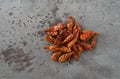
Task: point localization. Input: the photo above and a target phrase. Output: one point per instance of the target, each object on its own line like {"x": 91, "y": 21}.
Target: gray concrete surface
{"x": 21, "y": 39}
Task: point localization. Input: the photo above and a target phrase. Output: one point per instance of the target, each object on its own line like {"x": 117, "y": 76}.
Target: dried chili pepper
{"x": 69, "y": 40}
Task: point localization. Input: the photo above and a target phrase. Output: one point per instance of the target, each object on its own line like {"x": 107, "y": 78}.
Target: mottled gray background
{"x": 21, "y": 39}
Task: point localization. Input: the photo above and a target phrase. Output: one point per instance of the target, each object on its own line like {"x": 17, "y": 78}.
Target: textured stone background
{"x": 21, "y": 39}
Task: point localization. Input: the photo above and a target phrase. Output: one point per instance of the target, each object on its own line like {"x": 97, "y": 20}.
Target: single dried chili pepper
{"x": 58, "y": 49}
{"x": 90, "y": 31}
{"x": 55, "y": 56}
{"x": 75, "y": 48}
{"x": 80, "y": 48}
{"x": 86, "y": 46}
{"x": 55, "y": 28}
{"x": 52, "y": 48}
{"x": 70, "y": 23}
{"x": 76, "y": 56}
{"x": 68, "y": 38}
{"x": 87, "y": 34}
{"x": 65, "y": 57}
{"x": 49, "y": 39}
{"x": 71, "y": 43}
{"x": 54, "y": 33}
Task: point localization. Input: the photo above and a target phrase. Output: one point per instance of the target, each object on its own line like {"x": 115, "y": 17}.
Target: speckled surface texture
{"x": 21, "y": 39}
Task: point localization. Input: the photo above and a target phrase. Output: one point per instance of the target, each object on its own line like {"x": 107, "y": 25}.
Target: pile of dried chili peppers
{"x": 69, "y": 40}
